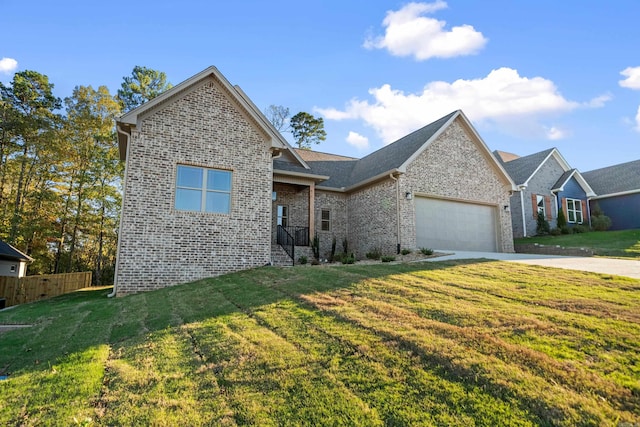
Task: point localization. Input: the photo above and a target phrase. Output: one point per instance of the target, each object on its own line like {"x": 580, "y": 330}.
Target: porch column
{"x": 312, "y": 210}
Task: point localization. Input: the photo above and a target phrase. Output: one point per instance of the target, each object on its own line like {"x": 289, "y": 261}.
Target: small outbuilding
{"x": 13, "y": 263}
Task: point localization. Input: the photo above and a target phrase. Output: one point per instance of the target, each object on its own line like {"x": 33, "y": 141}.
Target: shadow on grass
{"x": 81, "y": 320}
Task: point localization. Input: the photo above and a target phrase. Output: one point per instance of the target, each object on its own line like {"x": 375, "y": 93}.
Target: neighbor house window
{"x": 574, "y": 211}
{"x": 283, "y": 215}
{"x": 12, "y": 269}
{"x": 541, "y": 208}
{"x": 203, "y": 190}
{"x": 325, "y": 220}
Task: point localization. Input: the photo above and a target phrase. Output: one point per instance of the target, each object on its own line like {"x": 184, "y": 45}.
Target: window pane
{"x": 189, "y": 177}
{"x": 219, "y": 180}
{"x": 540, "y": 200}
{"x": 218, "y": 202}
{"x": 572, "y": 216}
{"x": 188, "y": 200}
{"x": 570, "y": 204}
{"x": 326, "y": 215}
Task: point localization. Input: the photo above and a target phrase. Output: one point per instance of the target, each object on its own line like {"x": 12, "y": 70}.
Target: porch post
{"x": 312, "y": 210}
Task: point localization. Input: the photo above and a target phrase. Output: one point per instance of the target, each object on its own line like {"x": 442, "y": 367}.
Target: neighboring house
{"x": 545, "y": 183}
{"x": 13, "y": 263}
{"x": 210, "y": 187}
{"x": 618, "y": 193}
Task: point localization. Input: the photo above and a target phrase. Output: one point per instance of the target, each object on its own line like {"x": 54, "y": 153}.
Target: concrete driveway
{"x": 619, "y": 267}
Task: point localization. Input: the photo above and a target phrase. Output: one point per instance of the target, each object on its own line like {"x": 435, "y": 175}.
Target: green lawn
{"x": 624, "y": 243}
{"x": 453, "y": 343}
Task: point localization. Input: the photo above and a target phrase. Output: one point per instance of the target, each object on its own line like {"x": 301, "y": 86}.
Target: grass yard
{"x": 623, "y": 243}
{"x": 453, "y": 343}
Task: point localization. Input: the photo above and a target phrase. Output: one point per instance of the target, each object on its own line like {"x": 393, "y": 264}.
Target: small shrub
{"x": 555, "y": 232}
{"x": 315, "y": 245}
{"x": 405, "y": 251}
{"x": 387, "y": 258}
{"x": 348, "y": 259}
{"x": 577, "y": 229}
{"x": 315, "y": 262}
{"x": 345, "y": 246}
{"x": 565, "y": 230}
{"x": 426, "y": 251}
{"x": 375, "y": 253}
{"x": 333, "y": 249}
{"x": 599, "y": 221}
{"x": 562, "y": 220}
{"x": 302, "y": 260}
{"x": 542, "y": 225}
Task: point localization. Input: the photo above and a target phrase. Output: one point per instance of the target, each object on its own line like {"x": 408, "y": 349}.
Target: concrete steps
{"x": 279, "y": 256}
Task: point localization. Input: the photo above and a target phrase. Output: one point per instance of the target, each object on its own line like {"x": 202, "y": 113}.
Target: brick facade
{"x": 160, "y": 246}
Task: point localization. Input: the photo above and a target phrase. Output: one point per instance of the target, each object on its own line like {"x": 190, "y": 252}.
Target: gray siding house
{"x": 211, "y": 187}
{"x": 545, "y": 183}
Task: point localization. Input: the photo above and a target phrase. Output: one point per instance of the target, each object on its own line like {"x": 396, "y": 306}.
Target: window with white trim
{"x": 574, "y": 211}
{"x": 325, "y": 220}
{"x": 542, "y": 210}
{"x": 203, "y": 189}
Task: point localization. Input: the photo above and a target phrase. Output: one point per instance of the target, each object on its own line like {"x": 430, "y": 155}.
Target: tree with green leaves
{"x": 143, "y": 85}
{"x": 307, "y": 129}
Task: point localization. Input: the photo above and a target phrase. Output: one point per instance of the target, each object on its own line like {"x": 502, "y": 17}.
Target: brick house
{"x": 211, "y": 187}
{"x": 546, "y": 183}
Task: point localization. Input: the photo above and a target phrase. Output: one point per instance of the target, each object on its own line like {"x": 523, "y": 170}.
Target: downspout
{"x": 589, "y": 210}
{"x": 124, "y": 182}
{"x": 397, "y": 212}
{"x": 555, "y": 198}
{"x": 524, "y": 220}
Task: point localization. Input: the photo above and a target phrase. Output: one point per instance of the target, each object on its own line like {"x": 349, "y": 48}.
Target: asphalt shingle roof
{"x": 347, "y": 171}
{"x": 563, "y": 178}
{"x": 614, "y": 179}
{"x": 9, "y": 252}
{"x": 521, "y": 168}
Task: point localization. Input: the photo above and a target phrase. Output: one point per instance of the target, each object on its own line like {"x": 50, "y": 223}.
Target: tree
{"x": 278, "y": 116}
{"x": 307, "y": 129}
{"x": 143, "y": 85}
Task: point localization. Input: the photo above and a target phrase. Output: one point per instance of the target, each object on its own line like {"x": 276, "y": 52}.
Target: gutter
{"x": 124, "y": 181}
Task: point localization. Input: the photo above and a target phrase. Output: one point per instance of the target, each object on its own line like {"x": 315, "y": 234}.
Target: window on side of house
{"x": 574, "y": 211}
{"x": 283, "y": 215}
{"x": 12, "y": 269}
{"x": 540, "y": 204}
{"x": 203, "y": 190}
{"x": 325, "y": 220}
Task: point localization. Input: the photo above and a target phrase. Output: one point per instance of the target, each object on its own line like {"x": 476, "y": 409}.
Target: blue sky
{"x": 529, "y": 75}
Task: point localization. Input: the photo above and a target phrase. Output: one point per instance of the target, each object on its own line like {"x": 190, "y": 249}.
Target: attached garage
{"x": 446, "y": 224}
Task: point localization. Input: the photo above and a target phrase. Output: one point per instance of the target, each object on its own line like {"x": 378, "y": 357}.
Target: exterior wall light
{"x": 408, "y": 195}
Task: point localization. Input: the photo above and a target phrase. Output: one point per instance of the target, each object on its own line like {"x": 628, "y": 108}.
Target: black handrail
{"x": 286, "y": 240}
{"x": 300, "y": 235}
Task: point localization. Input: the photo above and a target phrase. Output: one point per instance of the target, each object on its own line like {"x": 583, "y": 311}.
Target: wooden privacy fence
{"x": 35, "y": 288}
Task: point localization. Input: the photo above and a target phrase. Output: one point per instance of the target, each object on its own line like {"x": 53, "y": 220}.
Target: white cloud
{"x": 359, "y": 141}
{"x": 503, "y": 98}
{"x": 7, "y": 65}
{"x": 632, "y": 80}
{"x": 555, "y": 133}
{"x": 409, "y": 33}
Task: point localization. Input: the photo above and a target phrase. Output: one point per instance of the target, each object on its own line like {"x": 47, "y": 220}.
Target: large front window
{"x": 574, "y": 211}
{"x": 203, "y": 190}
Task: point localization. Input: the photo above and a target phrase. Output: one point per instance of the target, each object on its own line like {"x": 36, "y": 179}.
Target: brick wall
{"x": 160, "y": 246}
{"x": 336, "y": 203}
{"x": 454, "y": 167}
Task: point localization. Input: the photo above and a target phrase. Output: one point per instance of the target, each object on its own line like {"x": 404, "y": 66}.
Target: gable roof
{"x": 573, "y": 173}
{"x": 130, "y": 119}
{"x": 523, "y": 168}
{"x": 505, "y": 156}
{"x": 621, "y": 178}
{"x": 8, "y": 252}
{"x": 347, "y": 173}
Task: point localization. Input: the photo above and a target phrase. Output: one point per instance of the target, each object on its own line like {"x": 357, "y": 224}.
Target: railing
{"x": 300, "y": 235}
{"x": 286, "y": 240}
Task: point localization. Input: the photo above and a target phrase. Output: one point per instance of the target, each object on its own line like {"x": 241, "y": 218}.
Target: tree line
{"x": 60, "y": 173}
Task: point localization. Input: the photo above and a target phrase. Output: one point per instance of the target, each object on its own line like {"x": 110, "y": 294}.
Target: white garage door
{"x": 443, "y": 224}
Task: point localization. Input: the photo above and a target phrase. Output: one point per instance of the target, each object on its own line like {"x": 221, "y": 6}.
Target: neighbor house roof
{"x": 573, "y": 173}
{"x": 8, "y": 252}
{"x": 347, "y": 173}
{"x": 505, "y": 156}
{"x": 523, "y": 168}
{"x": 616, "y": 179}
